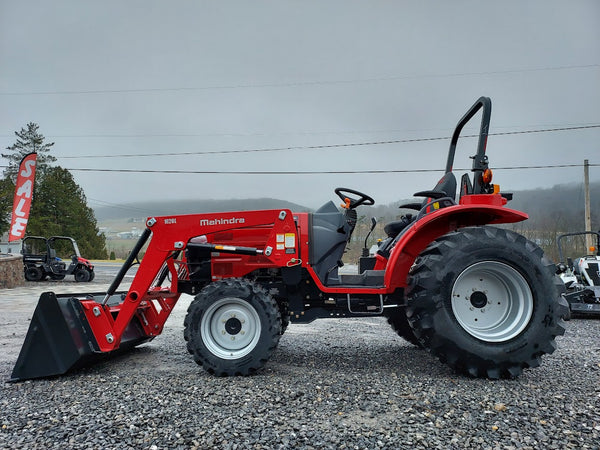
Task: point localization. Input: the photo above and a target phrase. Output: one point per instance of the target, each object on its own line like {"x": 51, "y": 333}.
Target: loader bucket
{"x": 60, "y": 339}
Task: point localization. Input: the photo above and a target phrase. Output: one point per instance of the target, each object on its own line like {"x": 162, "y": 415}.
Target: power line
{"x": 299, "y": 83}
{"x": 327, "y": 146}
{"x": 311, "y": 172}
{"x": 271, "y": 134}
{"x": 315, "y": 172}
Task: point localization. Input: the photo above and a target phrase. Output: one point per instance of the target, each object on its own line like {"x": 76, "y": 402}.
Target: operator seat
{"x": 445, "y": 188}
{"x": 329, "y": 233}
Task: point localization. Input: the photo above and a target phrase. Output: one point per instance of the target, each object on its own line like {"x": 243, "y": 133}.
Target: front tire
{"x": 232, "y": 327}
{"x": 82, "y": 275}
{"x": 485, "y": 301}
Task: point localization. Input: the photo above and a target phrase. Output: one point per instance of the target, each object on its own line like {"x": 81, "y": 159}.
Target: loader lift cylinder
{"x": 127, "y": 265}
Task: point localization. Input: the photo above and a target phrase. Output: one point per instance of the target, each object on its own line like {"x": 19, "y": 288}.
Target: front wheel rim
{"x": 230, "y": 328}
{"x": 492, "y": 301}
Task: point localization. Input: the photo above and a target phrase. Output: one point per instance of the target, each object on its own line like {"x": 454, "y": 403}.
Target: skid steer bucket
{"x": 60, "y": 338}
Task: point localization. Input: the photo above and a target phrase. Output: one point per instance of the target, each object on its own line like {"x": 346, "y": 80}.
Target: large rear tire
{"x": 486, "y": 302}
{"x": 232, "y": 327}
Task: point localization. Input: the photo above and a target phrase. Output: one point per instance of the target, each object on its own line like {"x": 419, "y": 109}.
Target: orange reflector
{"x": 496, "y": 188}
{"x": 592, "y": 249}
{"x": 487, "y": 176}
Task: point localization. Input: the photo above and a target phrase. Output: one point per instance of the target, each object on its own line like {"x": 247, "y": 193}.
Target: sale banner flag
{"x": 23, "y": 196}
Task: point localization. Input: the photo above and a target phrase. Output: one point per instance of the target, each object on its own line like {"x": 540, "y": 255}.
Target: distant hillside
{"x": 561, "y": 205}
{"x": 163, "y": 208}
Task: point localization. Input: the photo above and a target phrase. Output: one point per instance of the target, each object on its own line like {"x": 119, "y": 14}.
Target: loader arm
{"x": 169, "y": 236}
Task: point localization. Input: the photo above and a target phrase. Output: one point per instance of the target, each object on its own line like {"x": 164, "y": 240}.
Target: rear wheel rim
{"x": 230, "y": 328}
{"x": 492, "y": 301}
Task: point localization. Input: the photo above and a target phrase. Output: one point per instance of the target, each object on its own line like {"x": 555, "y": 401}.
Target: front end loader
{"x": 483, "y": 299}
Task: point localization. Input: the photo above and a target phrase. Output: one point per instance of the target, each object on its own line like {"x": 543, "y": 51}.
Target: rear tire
{"x": 396, "y": 317}
{"x": 486, "y": 302}
{"x": 33, "y": 273}
{"x": 232, "y": 327}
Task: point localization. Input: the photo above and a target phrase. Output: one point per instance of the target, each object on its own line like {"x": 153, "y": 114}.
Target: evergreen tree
{"x": 28, "y": 140}
{"x": 60, "y": 208}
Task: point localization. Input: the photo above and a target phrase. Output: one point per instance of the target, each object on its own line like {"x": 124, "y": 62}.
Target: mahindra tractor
{"x": 481, "y": 298}
{"x": 43, "y": 258}
{"x": 581, "y": 276}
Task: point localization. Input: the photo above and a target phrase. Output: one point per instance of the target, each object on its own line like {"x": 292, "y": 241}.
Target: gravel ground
{"x": 334, "y": 383}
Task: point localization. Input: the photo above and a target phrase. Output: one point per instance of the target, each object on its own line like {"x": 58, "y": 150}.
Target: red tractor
{"x": 483, "y": 299}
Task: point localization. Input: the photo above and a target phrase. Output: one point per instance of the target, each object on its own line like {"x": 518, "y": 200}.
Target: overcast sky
{"x": 144, "y": 78}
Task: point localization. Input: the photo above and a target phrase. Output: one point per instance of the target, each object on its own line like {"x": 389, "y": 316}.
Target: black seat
{"x": 392, "y": 229}
{"x": 446, "y": 187}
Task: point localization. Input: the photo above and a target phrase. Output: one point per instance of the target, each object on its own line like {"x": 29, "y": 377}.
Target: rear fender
{"x": 436, "y": 224}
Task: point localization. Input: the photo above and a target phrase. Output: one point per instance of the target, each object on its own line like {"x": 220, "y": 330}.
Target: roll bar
{"x": 577, "y": 233}
{"x": 480, "y": 160}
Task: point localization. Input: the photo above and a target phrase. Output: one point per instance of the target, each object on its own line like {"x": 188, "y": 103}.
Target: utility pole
{"x": 588, "y": 213}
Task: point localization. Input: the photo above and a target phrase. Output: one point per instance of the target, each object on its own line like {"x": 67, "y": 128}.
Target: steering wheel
{"x": 363, "y": 199}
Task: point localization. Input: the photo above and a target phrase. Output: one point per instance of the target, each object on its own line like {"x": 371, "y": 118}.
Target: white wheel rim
{"x": 230, "y": 328}
{"x": 492, "y": 301}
